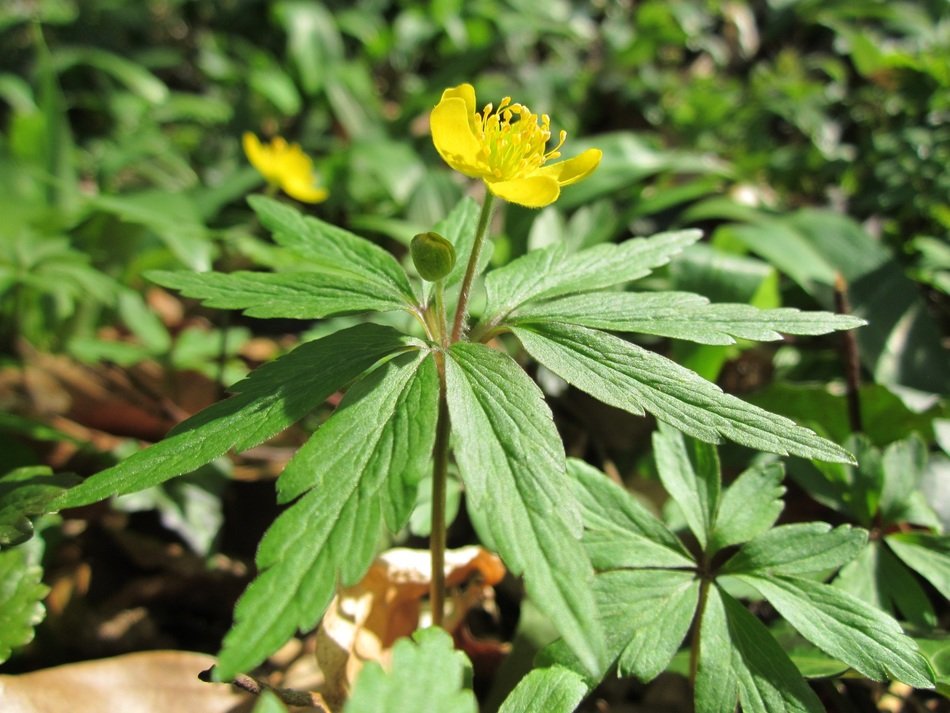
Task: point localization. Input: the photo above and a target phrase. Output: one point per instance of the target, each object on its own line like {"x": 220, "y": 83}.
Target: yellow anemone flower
{"x": 285, "y": 166}
{"x": 505, "y": 148}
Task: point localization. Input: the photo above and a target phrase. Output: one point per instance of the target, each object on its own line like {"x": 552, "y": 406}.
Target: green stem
{"x": 697, "y": 630}
{"x": 437, "y": 538}
{"x": 461, "y": 311}
{"x": 439, "y": 289}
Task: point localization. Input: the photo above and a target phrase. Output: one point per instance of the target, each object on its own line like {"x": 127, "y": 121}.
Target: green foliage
{"x": 883, "y": 492}
{"x": 426, "y": 674}
{"x": 512, "y": 462}
{"x": 21, "y": 597}
{"x": 380, "y": 438}
{"x": 24, "y": 493}
{"x": 647, "y": 599}
{"x": 509, "y": 455}
{"x": 120, "y": 160}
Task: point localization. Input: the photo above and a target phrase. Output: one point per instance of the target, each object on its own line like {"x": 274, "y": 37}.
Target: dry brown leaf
{"x": 364, "y": 621}
{"x": 146, "y": 682}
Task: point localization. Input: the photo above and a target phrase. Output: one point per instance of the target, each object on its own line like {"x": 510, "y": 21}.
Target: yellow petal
{"x": 254, "y": 151}
{"x": 573, "y": 169}
{"x": 465, "y": 92}
{"x": 535, "y": 191}
{"x": 303, "y": 190}
{"x": 452, "y": 134}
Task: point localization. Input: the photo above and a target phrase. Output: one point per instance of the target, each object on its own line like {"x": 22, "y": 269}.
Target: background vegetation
{"x": 808, "y": 139}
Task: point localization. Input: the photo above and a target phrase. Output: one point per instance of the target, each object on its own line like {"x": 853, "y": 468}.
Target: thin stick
{"x": 461, "y": 311}
{"x": 440, "y": 469}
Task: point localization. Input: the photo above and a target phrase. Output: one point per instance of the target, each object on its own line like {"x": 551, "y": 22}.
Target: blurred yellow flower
{"x": 285, "y": 166}
{"x": 505, "y": 148}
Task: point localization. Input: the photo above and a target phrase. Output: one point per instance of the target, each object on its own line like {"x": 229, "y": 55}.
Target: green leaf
{"x": 627, "y": 376}
{"x": 132, "y": 74}
{"x": 690, "y": 473}
{"x": 645, "y": 614}
{"x": 903, "y": 463}
{"x": 798, "y": 548}
{"x": 846, "y": 628}
{"x": 173, "y": 217}
{"x": 294, "y": 295}
{"x": 21, "y": 600}
{"x": 359, "y": 466}
{"x": 552, "y": 272}
{"x": 553, "y": 690}
{"x": 877, "y": 577}
{"x": 740, "y": 661}
{"x": 512, "y": 463}
{"x": 749, "y": 506}
{"x": 26, "y": 492}
{"x": 684, "y": 316}
{"x": 268, "y": 401}
{"x": 928, "y": 555}
{"x": 428, "y": 674}
{"x": 458, "y": 227}
{"x": 328, "y": 247}
{"x": 618, "y": 530}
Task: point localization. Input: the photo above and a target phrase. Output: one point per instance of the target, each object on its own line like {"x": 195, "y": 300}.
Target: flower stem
{"x": 439, "y": 289}
{"x": 437, "y": 537}
{"x": 697, "y": 629}
{"x": 461, "y": 311}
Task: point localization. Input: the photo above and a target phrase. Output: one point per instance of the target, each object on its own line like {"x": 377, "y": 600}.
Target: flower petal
{"x": 453, "y": 136}
{"x": 257, "y": 154}
{"x": 303, "y": 190}
{"x": 465, "y": 92}
{"x": 573, "y": 169}
{"x": 534, "y": 191}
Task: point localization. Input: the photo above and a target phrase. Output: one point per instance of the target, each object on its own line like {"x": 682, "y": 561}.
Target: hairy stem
{"x": 461, "y": 311}
{"x": 440, "y": 468}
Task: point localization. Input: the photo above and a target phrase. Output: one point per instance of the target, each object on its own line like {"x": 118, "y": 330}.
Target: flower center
{"x": 513, "y": 140}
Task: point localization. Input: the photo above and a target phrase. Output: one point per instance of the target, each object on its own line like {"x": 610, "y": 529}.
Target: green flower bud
{"x": 433, "y": 256}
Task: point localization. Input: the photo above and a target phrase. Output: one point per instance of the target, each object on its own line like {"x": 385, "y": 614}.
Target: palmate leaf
{"x": 25, "y": 492}
{"x": 647, "y": 590}
{"x": 690, "y": 473}
{"x": 427, "y": 675}
{"x": 629, "y": 377}
{"x": 21, "y": 599}
{"x": 555, "y": 689}
{"x": 552, "y": 272}
{"x": 269, "y": 400}
{"x": 740, "y": 661}
{"x": 362, "y": 464}
{"x": 877, "y": 577}
{"x": 926, "y": 554}
{"x": 512, "y": 463}
{"x": 846, "y": 628}
{"x": 749, "y": 506}
{"x": 646, "y": 614}
{"x": 682, "y": 315}
{"x": 326, "y": 246}
{"x": 294, "y": 295}
{"x": 619, "y": 532}
{"x": 798, "y": 548}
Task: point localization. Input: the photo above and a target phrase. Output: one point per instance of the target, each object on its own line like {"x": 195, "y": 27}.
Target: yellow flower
{"x": 286, "y": 166}
{"x": 505, "y": 148}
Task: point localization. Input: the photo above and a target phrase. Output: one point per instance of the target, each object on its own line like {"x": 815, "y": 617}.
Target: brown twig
{"x": 289, "y": 696}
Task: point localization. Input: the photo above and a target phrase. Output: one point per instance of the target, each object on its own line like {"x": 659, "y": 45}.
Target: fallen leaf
{"x": 365, "y": 620}
{"x": 145, "y": 682}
